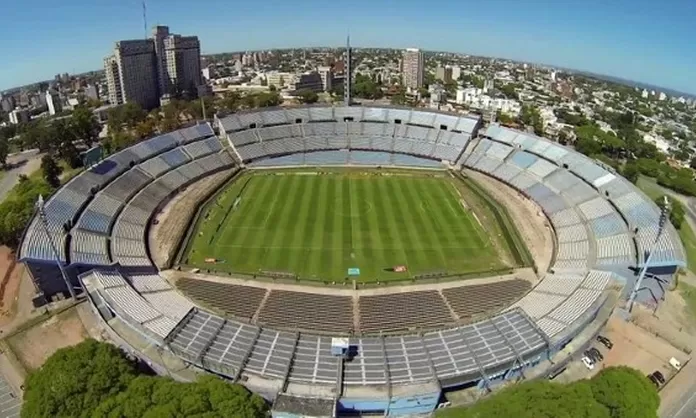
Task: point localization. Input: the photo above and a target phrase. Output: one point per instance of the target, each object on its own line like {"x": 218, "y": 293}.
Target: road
{"x": 679, "y": 396}
{"x": 11, "y": 177}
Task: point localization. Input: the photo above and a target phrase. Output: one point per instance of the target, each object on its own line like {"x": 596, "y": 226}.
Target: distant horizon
{"x": 604, "y": 77}
{"x": 638, "y": 40}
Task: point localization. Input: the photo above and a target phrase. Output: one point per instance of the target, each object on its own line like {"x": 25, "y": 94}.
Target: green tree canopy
{"x": 209, "y": 397}
{"x": 626, "y": 393}
{"x": 50, "y": 170}
{"x": 18, "y": 207}
{"x": 307, "y": 96}
{"x": 75, "y": 380}
{"x": 366, "y": 88}
{"x": 4, "y": 151}
{"x": 676, "y": 210}
{"x": 616, "y": 392}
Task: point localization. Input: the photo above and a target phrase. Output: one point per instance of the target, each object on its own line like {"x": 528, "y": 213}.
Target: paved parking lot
{"x": 10, "y": 404}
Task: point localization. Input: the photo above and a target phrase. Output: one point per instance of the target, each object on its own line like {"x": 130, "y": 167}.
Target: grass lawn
{"x": 688, "y": 238}
{"x": 688, "y": 292}
{"x": 319, "y": 225}
{"x": 649, "y": 186}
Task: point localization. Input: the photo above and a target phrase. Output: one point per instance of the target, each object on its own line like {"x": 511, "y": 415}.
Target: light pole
{"x": 44, "y": 223}
{"x": 641, "y": 276}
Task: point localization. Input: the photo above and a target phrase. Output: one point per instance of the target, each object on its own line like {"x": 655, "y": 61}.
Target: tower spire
{"x": 348, "y": 75}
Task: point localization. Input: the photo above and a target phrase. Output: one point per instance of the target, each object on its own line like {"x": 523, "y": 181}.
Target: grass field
{"x": 318, "y": 225}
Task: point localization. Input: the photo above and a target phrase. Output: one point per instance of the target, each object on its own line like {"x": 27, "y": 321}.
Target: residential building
{"x": 456, "y": 72}
{"x": 18, "y": 116}
{"x": 662, "y": 96}
{"x": 326, "y": 74}
{"x": 53, "y": 102}
{"x": 149, "y": 71}
{"x": 644, "y": 94}
{"x": 138, "y": 72}
{"x": 308, "y": 81}
{"x": 7, "y": 103}
{"x": 92, "y": 92}
{"x": 412, "y": 68}
{"x": 278, "y": 79}
{"x": 113, "y": 81}
{"x": 206, "y": 73}
{"x": 159, "y": 34}
{"x": 443, "y": 74}
{"x": 183, "y": 66}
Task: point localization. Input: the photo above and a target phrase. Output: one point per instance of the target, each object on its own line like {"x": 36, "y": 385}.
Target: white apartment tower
{"x": 412, "y": 69}
{"x": 53, "y": 102}
{"x": 149, "y": 71}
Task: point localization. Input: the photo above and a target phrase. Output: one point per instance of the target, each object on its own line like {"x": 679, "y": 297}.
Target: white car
{"x": 588, "y": 363}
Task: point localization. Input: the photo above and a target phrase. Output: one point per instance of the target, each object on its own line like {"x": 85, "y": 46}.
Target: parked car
{"x": 675, "y": 363}
{"x": 591, "y": 355}
{"x": 654, "y": 380}
{"x": 588, "y": 363}
{"x": 606, "y": 341}
{"x": 659, "y": 376}
{"x": 598, "y": 355}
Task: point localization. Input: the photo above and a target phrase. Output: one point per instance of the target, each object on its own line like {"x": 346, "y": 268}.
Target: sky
{"x": 648, "y": 41}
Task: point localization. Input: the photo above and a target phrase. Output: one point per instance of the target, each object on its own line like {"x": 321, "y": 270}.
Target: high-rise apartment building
{"x": 53, "y": 102}
{"x": 138, "y": 72}
{"x": 113, "y": 80}
{"x": 444, "y": 74}
{"x": 412, "y": 68}
{"x": 183, "y": 65}
{"x": 326, "y": 74}
{"x": 149, "y": 71}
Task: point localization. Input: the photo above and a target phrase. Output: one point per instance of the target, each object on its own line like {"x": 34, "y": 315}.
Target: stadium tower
{"x": 348, "y": 73}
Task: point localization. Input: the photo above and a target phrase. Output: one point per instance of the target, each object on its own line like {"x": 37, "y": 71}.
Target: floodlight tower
{"x": 348, "y": 71}
{"x": 44, "y": 223}
{"x": 661, "y": 226}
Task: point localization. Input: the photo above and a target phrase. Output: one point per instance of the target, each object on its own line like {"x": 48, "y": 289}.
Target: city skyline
{"x": 646, "y": 43}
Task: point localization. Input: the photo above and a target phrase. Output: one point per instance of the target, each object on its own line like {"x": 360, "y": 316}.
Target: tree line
{"x": 615, "y": 392}
{"x": 98, "y": 380}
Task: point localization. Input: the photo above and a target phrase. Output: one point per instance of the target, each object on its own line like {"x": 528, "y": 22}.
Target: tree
{"x": 676, "y": 210}
{"x": 4, "y": 151}
{"x": 51, "y": 170}
{"x": 509, "y": 90}
{"x": 626, "y": 393}
{"x": 210, "y": 396}
{"x": 504, "y": 118}
{"x": 75, "y": 380}
{"x": 85, "y": 125}
{"x": 631, "y": 172}
{"x": 307, "y": 96}
{"x": 95, "y": 379}
{"x": 616, "y": 392}
{"x": 18, "y": 207}
{"x": 366, "y": 88}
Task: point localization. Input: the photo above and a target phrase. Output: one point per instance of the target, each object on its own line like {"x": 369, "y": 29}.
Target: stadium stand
{"x": 473, "y": 301}
{"x": 403, "y": 311}
{"x": 405, "y": 340}
{"x": 238, "y": 301}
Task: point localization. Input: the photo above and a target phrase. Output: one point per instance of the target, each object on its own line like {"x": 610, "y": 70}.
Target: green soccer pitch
{"x": 318, "y": 224}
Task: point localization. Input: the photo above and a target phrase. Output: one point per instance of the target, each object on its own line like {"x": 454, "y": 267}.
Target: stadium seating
{"x": 603, "y": 226}
{"x": 403, "y": 311}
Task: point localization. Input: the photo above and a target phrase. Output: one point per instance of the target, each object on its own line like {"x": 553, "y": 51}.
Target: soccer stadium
{"x": 352, "y": 259}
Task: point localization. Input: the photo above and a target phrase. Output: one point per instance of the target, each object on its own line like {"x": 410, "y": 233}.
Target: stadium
{"x": 352, "y": 259}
